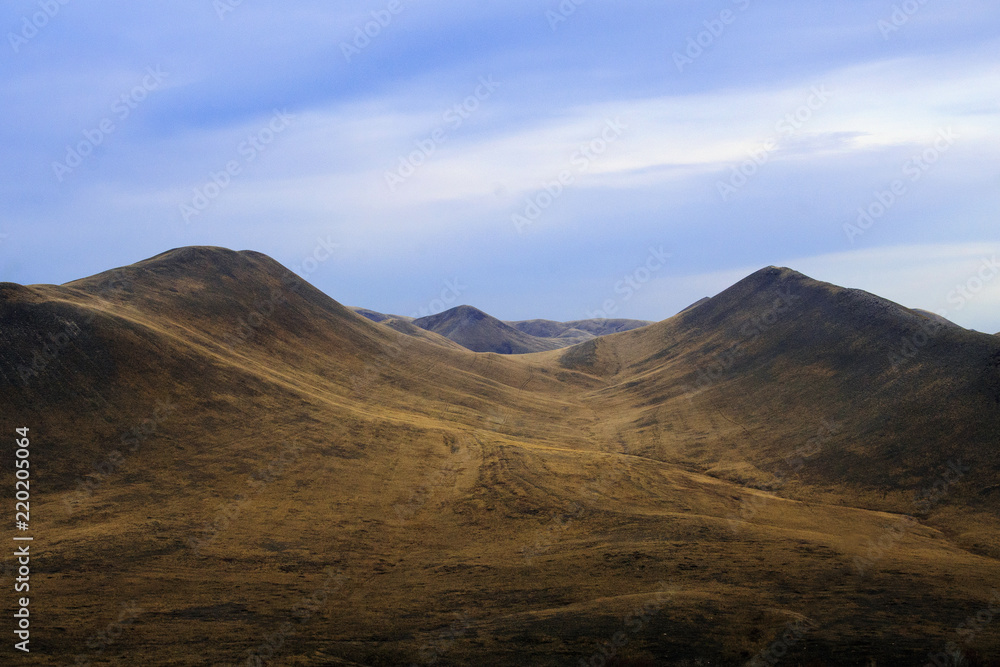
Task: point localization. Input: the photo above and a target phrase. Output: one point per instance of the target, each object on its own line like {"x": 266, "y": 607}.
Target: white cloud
{"x": 873, "y": 106}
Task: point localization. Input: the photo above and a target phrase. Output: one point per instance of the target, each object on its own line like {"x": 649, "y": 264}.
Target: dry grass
{"x": 439, "y": 506}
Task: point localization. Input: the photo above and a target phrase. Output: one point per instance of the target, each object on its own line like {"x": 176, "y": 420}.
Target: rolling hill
{"x": 577, "y": 329}
{"x": 375, "y": 316}
{"x": 232, "y": 468}
{"x": 475, "y": 330}
{"x": 766, "y": 363}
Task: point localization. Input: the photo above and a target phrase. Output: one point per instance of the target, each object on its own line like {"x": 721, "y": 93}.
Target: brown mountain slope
{"x": 375, "y": 316}
{"x": 293, "y": 483}
{"x": 940, "y": 319}
{"x": 407, "y": 327}
{"x": 475, "y": 330}
{"x": 744, "y": 384}
{"x": 582, "y": 329}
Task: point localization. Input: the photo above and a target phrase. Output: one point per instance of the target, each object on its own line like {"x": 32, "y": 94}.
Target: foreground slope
{"x": 247, "y": 471}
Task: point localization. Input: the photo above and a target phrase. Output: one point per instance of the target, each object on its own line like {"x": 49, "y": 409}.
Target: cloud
{"x": 753, "y": 90}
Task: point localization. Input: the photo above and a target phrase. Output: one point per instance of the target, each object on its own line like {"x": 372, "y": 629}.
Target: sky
{"x": 535, "y": 159}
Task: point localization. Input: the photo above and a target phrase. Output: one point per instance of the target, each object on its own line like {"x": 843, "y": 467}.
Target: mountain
{"x": 765, "y": 362}
{"x": 576, "y": 329}
{"x": 475, "y": 330}
{"x": 940, "y": 319}
{"x": 232, "y": 467}
{"x": 697, "y": 303}
{"x": 373, "y": 315}
{"x": 406, "y": 326}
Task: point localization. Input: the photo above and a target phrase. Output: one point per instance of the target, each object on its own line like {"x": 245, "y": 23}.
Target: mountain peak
{"x": 185, "y": 264}
{"x": 204, "y": 257}
{"x": 467, "y": 311}
{"x": 193, "y": 252}
{"x": 480, "y": 332}
{"x": 771, "y": 275}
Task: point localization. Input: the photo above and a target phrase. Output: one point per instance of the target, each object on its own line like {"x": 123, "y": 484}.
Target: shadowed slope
{"x": 742, "y": 386}
{"x": 269, "y": 476}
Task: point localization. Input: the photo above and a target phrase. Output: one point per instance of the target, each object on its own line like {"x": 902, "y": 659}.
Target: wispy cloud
{"x": 753, "y": 92}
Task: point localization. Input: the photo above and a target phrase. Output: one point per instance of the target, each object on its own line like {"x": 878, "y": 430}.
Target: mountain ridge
{"x": 477, "y": 331}
{"x": 220, "y": 442}
{"x": 474, "y": 329}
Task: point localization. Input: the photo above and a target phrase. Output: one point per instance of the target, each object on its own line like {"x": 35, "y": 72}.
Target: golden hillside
{"x": 230, "y": 467}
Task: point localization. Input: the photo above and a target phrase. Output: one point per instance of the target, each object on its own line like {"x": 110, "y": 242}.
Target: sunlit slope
{"x": 431, "y": 505}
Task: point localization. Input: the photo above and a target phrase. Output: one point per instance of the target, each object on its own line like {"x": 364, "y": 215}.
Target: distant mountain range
{"x": 787, "y": 470}
{"x": 475, "y": 330}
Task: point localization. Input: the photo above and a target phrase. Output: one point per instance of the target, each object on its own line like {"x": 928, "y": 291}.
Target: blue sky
{"x": 534, "y": 159}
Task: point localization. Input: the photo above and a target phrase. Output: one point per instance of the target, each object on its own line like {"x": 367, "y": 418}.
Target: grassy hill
{"x": 229, "y": 465}
{"x": 475, "y": 330}
{"x": 576, "y": 331}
